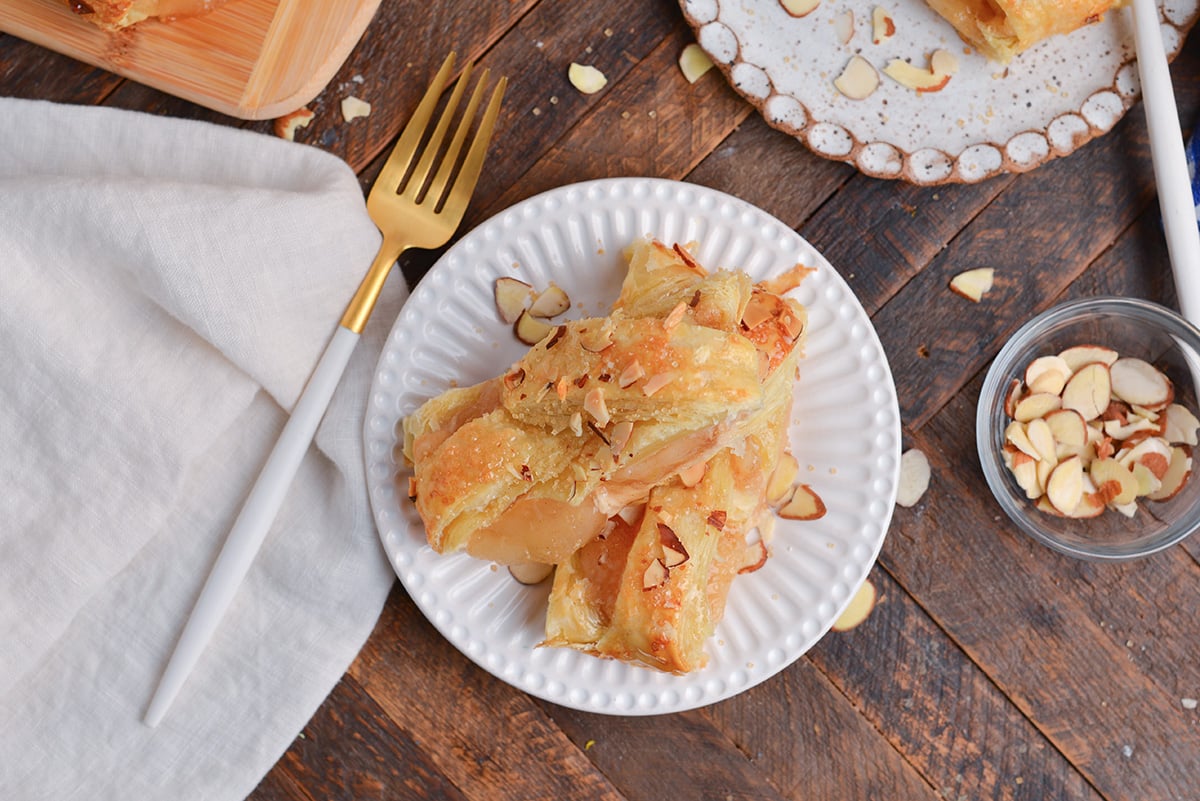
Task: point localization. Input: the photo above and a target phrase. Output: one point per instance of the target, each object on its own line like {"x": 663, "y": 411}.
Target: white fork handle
{"x": 253, "y": 522}
{"x": 1170, "y": 162}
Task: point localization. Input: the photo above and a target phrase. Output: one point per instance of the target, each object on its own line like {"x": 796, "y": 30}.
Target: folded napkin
{"x": 166, "y": 288}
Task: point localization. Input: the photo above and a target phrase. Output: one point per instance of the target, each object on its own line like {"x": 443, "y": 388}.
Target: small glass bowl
{"x": 1132, "y": 328}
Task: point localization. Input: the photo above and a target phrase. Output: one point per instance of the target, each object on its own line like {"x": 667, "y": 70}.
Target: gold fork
{"x": 414, "y": 206}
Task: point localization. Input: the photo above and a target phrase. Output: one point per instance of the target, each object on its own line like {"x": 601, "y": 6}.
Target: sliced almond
{"x": 287, "y": 125}
{"x": 858, "y": 609}
{"x": 1079, "y": 355}
{"x": 530, "y": 572}
{"x": 1153, "y": 452}
{"x": 1018, "y": 436}
{"x": 799, "y": 8}
{"x": 1042, "y": 439}
{"x": 691, "y": 475}
{"x": 782, "y": 478}
{"x": 621, "y": 433}
{"x": 858, "y": 80}
{"x": 1036, "y": 405}
{"x": 530, "y": 329}
{"x": 586, "y": 78}
{"x": 804, "y": 504}
{"x": 597, "y": 338}
{"x": 1025, "y": 473}
{"x": 550, "y": 302}
{"x": 1138, "y": 382}
{"x": 655, "y": 575}
{"x": 914, "y": 477}
{"x": 1173, "y": 480}
{"x": 1179, "y": 425}
{"x": 883, "y": 27}
{"x": 354, "y": 108}
{"x": 1088, "y": 391}
{"x": 593, "y": 404}
{"x": 694, "y": 62}
{"x": 754, "y": 557}
{"x": 1047, "y": 374}
{"x": 916, "y": 78}
{"x": 1113, "y": 481}
{"x": 1147, "y": 481}
{"x": 843, "y": 27}
{"x": 1014, "y": 393}
{"x": 1067, "y": 427}
{"x": 1064, "y": 487}
{"x": 972, "y": 284}
{"x": 674, "y": 554}
{"x": 511, "y": 298}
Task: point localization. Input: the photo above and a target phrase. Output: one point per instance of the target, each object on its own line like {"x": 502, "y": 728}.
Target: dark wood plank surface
{"x": 990, "y": 668}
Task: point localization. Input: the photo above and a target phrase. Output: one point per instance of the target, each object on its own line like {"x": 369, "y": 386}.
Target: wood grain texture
{"x": 990, "y": 668}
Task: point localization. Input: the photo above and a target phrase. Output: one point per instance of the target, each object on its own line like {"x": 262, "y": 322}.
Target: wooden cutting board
{"x": 251, "y": 59}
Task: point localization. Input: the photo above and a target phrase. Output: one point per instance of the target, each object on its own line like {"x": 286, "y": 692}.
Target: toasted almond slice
{"x": 1138, "y": 382}
{"x": 1047, "y": 374}
{"x": 858, "y": 609}
{"x": 655, "y": 575}
{"x": 782, "y": 478}
{"x": 530, "y": 572}
{"x": 597, "y": 338}
{"x": 1036, "y": 405}
{"x": 914, "y": 477}
{"x": 287, "y": 125}
{"x": 799, "y": 8}
{"x": 858, "y": 80}
{"x": 1079, "y": 355}
{"x": 1113, "y": 481}
{"x": 1088, "y": 391}
{"x": 970, "y": 284}
{"x": 1179, "y": 425}
{"x": 1127, "y": 509}
{"x": 550, "y": 302}
{"x": 1064, "y": 487}
{"x": 694, "y": 62}
{"x": 354, "y": 107}
{"x": 531, "y": 330}
{"x": 943, "y": 62}
{"x": 1178, "y": 471}
{"x": 621, "y": 433}
{"x": 754, "y": 557}
{"x": 593, "y": 404}
{"x": 586, "y": 78}
{"x": 511, "y": 297}
{"x": 804, "y": 504}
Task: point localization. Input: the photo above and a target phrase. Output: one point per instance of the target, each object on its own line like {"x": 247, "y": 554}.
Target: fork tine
{"x": 405, "y": 149}
{"x": 438, "y": 186}
{"x": 412, "y": 187}
{"x": 464, "y": 184}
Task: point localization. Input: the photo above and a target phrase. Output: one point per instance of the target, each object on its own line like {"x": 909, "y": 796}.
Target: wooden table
{"x": 991, "y": 667}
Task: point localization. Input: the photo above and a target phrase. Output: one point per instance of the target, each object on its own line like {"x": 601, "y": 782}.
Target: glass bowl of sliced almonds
{"x": 1086, "y": 425}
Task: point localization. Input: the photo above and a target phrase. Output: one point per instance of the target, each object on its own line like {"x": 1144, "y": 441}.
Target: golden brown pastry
{"x": 633, "y": 451}
{"x": 1002, "y": 28}
{"x": 116, "y": 14}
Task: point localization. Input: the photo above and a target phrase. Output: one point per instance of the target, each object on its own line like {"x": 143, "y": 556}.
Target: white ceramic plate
{"x": 845, "y": 432}
{"x": 988, "y": 119}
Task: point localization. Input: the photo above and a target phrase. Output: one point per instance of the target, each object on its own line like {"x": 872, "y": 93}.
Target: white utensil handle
{"x": 1170, "y": 161}
{"x": 253, "y": 522}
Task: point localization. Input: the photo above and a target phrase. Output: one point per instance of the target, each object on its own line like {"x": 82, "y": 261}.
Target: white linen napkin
{"x": 166, "y": 288}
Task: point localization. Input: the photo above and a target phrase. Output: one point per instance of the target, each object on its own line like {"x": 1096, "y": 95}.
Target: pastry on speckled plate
{"x": 1002, "y": 28}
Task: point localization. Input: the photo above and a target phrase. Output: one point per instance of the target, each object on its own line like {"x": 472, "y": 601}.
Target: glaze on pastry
{"x": 574, "y": 456}
{"x": 1002, "y": 28}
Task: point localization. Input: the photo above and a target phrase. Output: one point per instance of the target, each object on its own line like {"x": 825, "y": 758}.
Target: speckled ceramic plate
{"x": 988, "y": 119}
{"x": 845, "y": 431}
